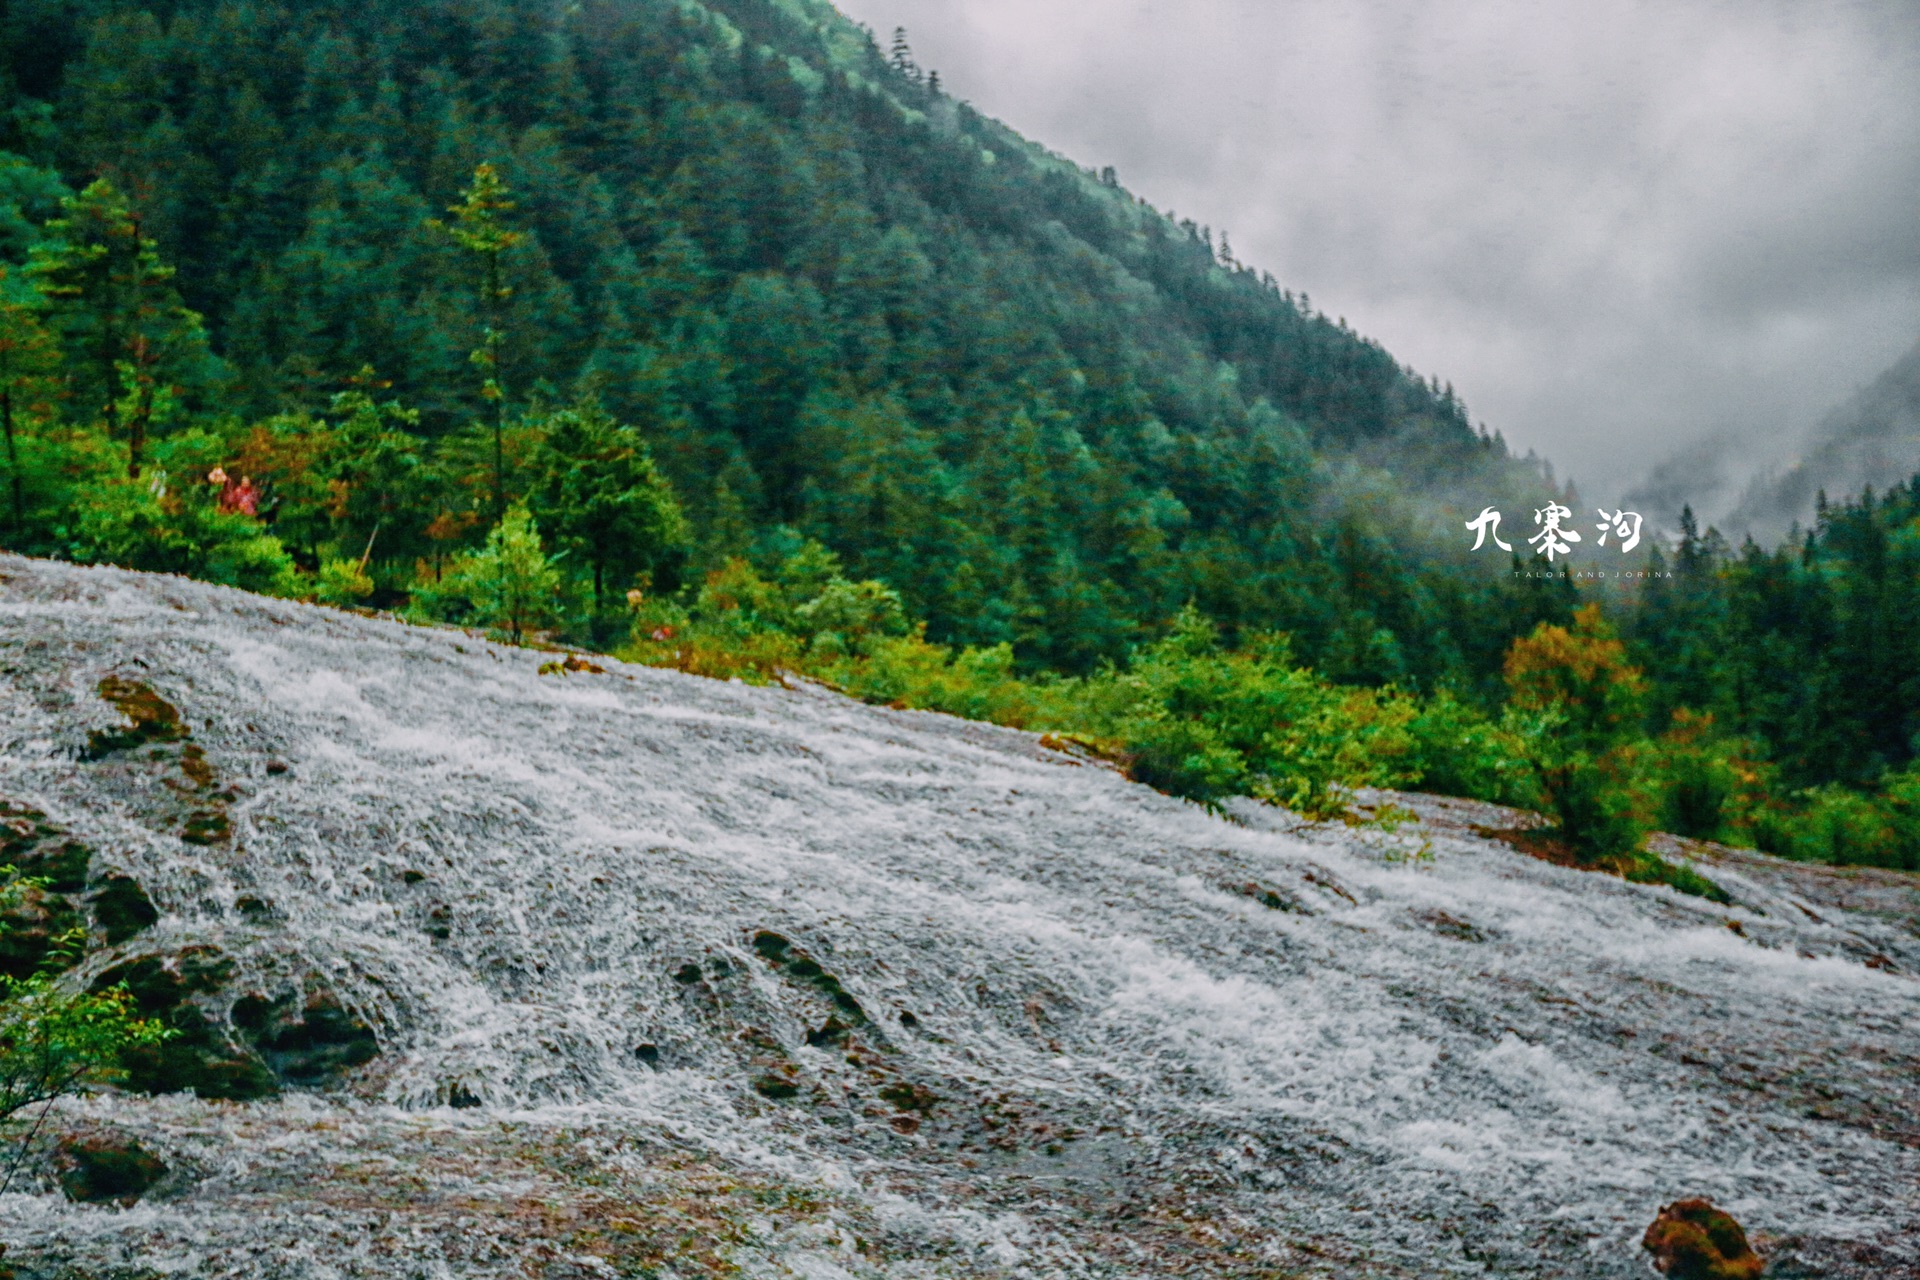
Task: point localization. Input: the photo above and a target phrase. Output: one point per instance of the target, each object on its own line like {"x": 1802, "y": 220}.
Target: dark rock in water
{"x": 1692, "y": 1240}
{"x": 30, "y": 845}
{"x": 309, "y": 1044}
{"x": 34, "y": 932}
{"x": 462, "y": 1098}
{"x": 96, "y": 1167}
{"x": 832, "y": 1031}
{"x": 1448, "y": 925}
{"x": 123, "y": 909}
{"x": 201, "y": 1056}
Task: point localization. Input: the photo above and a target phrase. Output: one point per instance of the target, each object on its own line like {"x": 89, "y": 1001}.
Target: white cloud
{"x": 1617, "y": 227}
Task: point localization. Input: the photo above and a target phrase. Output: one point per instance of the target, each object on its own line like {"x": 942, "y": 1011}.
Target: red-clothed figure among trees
{"x": 242, "y": 497}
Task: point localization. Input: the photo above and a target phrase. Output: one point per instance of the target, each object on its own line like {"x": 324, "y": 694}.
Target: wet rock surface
{"x": 93, "y": 1167}
{"x": 1692, "y": 1240}
{"x": 487, "y": 974}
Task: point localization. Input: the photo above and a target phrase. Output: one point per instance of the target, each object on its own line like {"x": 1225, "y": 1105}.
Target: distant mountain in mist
{"x": 1872, "y": 439}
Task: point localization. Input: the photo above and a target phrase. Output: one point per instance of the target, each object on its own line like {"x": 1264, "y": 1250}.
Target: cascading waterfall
{"x": 514, "y": 959}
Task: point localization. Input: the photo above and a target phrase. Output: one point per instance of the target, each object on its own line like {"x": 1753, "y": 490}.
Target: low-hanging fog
{"x": 1624, "y": 230}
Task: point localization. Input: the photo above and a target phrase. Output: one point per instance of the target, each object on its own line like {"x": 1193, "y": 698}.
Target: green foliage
{"x": 54, "y": 1041}
{"x": 510, "y": 583}
{"x": 600, "y": 496}
{"x": 341, "y": 582}
{"x": 1593, "y": 802}
{"x": 479, "y": 228}
{"x": 853, "y": 613}
{"x": 1581, "y": 675}
{"x": 1457, "y": 750}
{"x": 1579, "y": 704}
{"x": 155, "y": 525}
{"x": 29, "y": 359}
{"x": 1710, "y": 785}
{"x": 130, "y": 340}
{"x": 1206, "y": 724}
{"x": 977, "y": 683}
{"x": 1836, "y": 824}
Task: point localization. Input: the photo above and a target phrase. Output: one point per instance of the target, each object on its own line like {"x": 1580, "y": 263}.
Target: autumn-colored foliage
{"x": 1582, "y": 673}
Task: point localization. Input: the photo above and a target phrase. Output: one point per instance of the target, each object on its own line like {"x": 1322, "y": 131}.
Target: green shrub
{"x": 977, "y": 684}
{"x": 1204, "y": 723}
{"x": 1457, "y": 750}
{"x": 341, "y": 582}
{"x": 510, "y": 584}
{"x": 853, "y": 611}
{"x": 55, "y": 1041}
{"x": 1836, "y": 825}
{"x": 1593, "y": 799}
{"x": 151, "y": 524}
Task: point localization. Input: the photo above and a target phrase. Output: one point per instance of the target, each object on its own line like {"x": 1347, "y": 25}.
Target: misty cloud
{"x": 1620, "y": 229}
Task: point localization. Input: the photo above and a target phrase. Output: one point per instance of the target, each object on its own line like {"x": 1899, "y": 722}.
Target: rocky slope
{"x": 493, "y": 973}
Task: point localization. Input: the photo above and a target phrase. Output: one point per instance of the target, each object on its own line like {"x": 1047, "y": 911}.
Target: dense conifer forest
{"x": 717, "y": 331}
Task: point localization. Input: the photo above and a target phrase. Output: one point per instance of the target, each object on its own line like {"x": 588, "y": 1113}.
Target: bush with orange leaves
{"x": 1582, "y": 704}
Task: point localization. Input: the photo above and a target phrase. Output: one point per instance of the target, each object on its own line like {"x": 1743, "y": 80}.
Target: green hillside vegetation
{"x": 713, "y": 332}
{"x": 837, "y": 303}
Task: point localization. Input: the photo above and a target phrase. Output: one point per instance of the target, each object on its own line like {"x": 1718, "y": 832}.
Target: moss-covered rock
{"x": 94, "y": 1167}
{"x": 36, "y": 847}
{"x": 801, "y": 967}
{"x": 151, "y": 719}
{"x": 308, "y": 1043}
{"x": 1692, "y": 1240}
{"x": 202, "y": 1055}
{"x": 122, "y": 909}
{"x": 38, "y": 932}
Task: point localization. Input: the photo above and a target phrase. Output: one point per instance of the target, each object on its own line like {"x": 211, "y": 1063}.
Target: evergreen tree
{"x": 901, "y": 55}
{"x": 126, "y": 331}
{"x": 376, "y": 479}
{"x": 511, "y": 583}
{"x": 604, "y": 500}
{"x": 477, "y": 228}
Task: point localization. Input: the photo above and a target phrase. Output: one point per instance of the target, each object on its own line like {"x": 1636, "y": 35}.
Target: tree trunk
{"x": 13, "y": 458}
{"x": 137, "y": 432}
{"x": 142, "y": 408}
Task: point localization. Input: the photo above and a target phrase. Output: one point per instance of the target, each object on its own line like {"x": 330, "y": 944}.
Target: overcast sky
{"x": 1616, "y": 227}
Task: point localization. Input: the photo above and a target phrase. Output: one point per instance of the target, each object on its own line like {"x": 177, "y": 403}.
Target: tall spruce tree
{"x": 477, "y": 227}
{"x": 116, "y": 309}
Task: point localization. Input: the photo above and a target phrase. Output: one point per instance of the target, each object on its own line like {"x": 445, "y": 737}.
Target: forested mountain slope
{"x": 837, "y": 302}
{"x": 484, "y": 972}
{"x": 1871, "y": 441}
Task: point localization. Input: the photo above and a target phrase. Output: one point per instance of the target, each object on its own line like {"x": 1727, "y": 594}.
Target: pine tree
{"x": 477, "y": 228}
{"x": 117, "y": 310}
{"x": 511, "y": 583}
{"x": 603, "y": 498}
{"x": 902, "y": 55}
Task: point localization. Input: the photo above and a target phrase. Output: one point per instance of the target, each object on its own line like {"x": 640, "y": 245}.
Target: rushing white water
{"x": 1078, "y": 1044}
